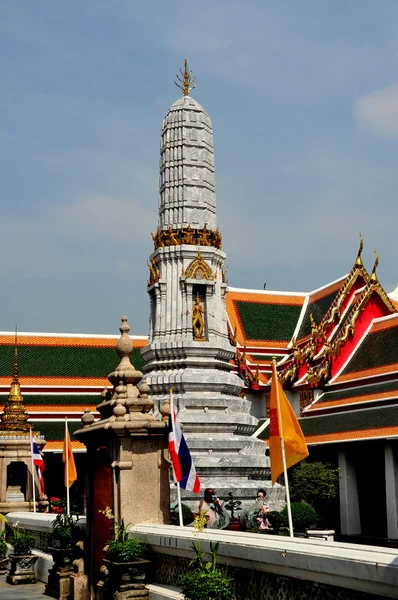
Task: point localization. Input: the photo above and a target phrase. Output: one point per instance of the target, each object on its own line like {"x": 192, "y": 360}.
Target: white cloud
{"x": 379, "y": 111}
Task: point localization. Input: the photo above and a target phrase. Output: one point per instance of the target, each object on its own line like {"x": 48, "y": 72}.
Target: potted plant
{"x": 3, "y": 554}
{"x": 63, "y": 528}
{"x": 3, "y": 548}
{"x": 22, "y": 561}
{"x": 126, "y": 560}
{"x": 205, "y": 581}
{"x": 233, "y": 506}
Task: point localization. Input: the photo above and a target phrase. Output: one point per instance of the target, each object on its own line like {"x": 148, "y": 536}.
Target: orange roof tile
{"x": 60, "y": 340}
{"x": 374, "y": 372}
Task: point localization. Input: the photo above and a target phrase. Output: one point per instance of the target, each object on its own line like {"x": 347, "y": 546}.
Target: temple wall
{"x": 276, "y": 566}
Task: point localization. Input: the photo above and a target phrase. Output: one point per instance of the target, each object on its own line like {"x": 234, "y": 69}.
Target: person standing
{"x": 216, "y": 516}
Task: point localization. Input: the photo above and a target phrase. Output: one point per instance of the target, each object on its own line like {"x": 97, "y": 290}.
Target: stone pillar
{"x": 349, "y": 502}
{"x": 128, "y": 468}
{"x": 391, "y": 471}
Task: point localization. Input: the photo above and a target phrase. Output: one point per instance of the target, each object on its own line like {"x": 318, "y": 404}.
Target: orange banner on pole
{"x": 67, "y": 457}
{"x": 283, "y": 426}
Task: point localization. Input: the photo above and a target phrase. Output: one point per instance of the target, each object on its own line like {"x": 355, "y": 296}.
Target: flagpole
{"x": 33, "y": 471}
{"x": 280, "y": 423}
{"x": 178, "y": 483}
{"x": 66, "y": 474}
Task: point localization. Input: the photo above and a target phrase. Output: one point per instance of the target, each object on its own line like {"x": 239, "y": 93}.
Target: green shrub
{"x": 125, "y": 551}
{"x": 276, "y": 521}
{"x": 303, "y": 516}
{"x": 22, "y": 542}
{"x": 316, "y": 484}
{"x": 187, "y": 516}
{"x": 3, "y": 547}
{"x": 206, "y": 585}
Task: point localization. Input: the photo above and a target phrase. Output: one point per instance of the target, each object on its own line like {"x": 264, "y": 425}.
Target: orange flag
{"x": 67, "y": 457}
{"x": 283, "y": 425}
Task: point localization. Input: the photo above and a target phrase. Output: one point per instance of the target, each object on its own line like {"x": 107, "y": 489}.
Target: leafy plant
{"x": 206, "y": 585}
{"x": 316, "y": 484}
{"x": 22, "y": 542}
{"x": 63, "y": 528}
{"x": 232, "y": 505}
{"x": 127, "y": 550}
{"x": 206, "y": 581}
{"x": 57, "y": 505}
{"x": 3, "y": 546}
{"x": 123, "y": 548}
{"x": 303, "y": 516}
{"x": 276, "y": 521}
{"x": 187, "y": 516}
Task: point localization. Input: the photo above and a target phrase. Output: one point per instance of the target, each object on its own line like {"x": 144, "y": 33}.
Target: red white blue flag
{"x": 183, "y": 467}
{"x": 38, "y": 463}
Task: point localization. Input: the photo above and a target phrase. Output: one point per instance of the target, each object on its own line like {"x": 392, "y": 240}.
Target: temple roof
{"x": 369, "y": 423}
{"x": 376, "y": 354}
{"x": 264, "y": 318}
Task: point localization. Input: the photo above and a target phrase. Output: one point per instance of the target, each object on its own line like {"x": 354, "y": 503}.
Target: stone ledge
{"x": 373, "y": 570}
{"x": 163, "y": 592}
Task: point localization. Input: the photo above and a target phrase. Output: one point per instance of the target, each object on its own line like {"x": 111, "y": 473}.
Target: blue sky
{"x": 303, "y": 97}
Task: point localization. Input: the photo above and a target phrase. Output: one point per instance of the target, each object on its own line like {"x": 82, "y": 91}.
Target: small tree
{"x": 316, "y": 484}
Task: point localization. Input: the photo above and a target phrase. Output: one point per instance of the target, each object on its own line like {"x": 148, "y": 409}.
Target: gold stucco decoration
{"x": 187, "y": 235}
{"x": 199, "y": 269}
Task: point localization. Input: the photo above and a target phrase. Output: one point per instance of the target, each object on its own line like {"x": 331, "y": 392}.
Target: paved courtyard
{"x": 21, "y": 592}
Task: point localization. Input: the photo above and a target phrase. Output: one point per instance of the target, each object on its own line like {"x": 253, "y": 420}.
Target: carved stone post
{"x": 128, "y": 465}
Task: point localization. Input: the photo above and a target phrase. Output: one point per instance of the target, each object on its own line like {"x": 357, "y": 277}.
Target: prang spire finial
{"x": 186, "y": 80}
{"x": 15, "y": 374}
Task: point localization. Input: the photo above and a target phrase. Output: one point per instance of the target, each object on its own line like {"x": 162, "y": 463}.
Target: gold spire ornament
{"x": 15, "y": 418}
{"x": 186, "y": 80}
{"x": 373, "y": 276}
{"x": 358, "y": 261}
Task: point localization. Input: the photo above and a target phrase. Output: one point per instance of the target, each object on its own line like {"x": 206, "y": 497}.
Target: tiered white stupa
{"x": 189, "y": 350}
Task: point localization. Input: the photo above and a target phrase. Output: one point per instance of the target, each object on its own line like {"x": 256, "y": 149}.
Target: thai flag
{"x": 39, "y": 464}
{"x": 183, "y": 467}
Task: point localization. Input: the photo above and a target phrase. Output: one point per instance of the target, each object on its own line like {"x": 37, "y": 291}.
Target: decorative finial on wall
{"x": 186, "y": 80}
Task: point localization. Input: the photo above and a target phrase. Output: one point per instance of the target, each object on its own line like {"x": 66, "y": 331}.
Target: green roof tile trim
{"x": 57, "y": 400}
{"x": 364, "y": 390}
{"x": 318, "y": 309}
{"x": 268, "y": 321}
{"x": 266, "y": 356}
{"x": 55, "y": 430}
{"x": 63, "y": 361}
{"x": 377, "y": 349}
{"x": 355, "y": 420}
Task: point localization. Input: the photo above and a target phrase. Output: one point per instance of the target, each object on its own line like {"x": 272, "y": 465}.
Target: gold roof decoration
{"x": 358, "y": 261}
{"x": 199, "y": 269}
{"x": 373, "y": 276}
{"x": 15, "y": 418}
{"x": 186, "y": 80}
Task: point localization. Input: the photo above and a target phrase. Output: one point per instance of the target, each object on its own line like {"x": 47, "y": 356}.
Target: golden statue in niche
{"x": 198, "y": 323}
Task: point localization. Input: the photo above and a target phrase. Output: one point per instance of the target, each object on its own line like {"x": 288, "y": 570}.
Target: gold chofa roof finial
{"x": 186, "y": 80}
{"x": 373, "y": 276}
{"x": 358, "y": 261}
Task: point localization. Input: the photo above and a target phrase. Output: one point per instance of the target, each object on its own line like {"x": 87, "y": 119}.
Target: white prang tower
{"x": 189, "y": 350}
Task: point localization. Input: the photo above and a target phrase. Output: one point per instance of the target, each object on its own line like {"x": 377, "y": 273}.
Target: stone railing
{"x": 39, "y": 525}
{"x": 265, "y": 566}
